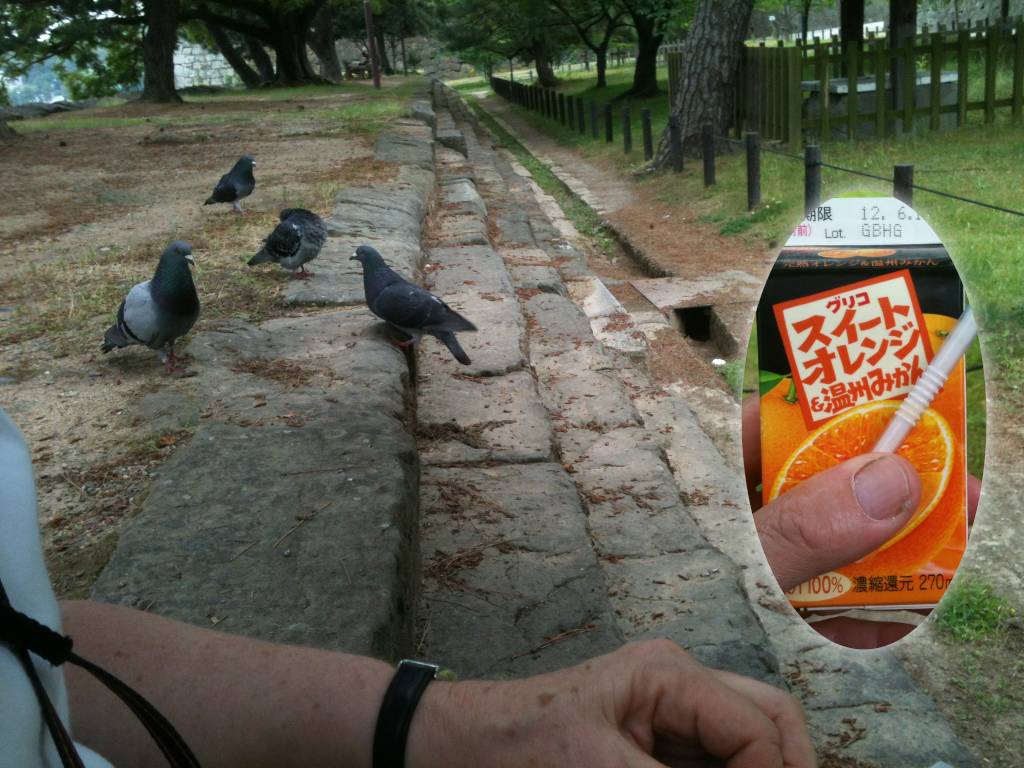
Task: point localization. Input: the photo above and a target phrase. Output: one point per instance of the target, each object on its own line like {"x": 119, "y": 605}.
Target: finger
{"x": 973, "y": 497}
{"x": 752, "y": 448}
{"x": 837, "y": 516}
{"x": 693, "y": 705}
{"x": 784, "y": 711}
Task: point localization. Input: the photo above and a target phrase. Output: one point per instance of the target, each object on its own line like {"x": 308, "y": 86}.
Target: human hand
{"x": 647, "y": 704}
{"x": 834, "y": 518}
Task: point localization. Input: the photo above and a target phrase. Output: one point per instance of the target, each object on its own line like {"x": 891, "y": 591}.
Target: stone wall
{"x": 194, "y": 65}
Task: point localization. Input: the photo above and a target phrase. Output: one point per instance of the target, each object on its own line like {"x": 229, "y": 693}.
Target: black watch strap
{"x": 396, "y": 711}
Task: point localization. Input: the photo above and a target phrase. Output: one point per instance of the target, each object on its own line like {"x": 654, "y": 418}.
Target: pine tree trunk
{"x": 602, "y": 66}
{"x": 385, "y": 65}
{"x": 261, "y": 59}
{"x": 902, "y": 25}
{"x": 545, "y": 74}
{"x": 645, "y": 71}
{"x": 249, "y": 76}
{"x": 711, "y": 56}
{"x": 322, "y": 42}
{"x": 158, "y": 51}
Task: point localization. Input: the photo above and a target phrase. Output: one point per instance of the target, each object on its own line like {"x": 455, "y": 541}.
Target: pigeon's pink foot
{"x": 302, "y": 275}
{"x": 403, "y": 344}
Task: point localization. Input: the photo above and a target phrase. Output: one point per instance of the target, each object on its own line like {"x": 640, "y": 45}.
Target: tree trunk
{"x": 322, "y": 42}
{"x": 293, "y": 67}
{"x": 645, "y": 71}
{"x": 249, "y": 76}
{"x": 1004, "y": 11}
{"x": 261, "y": 59}
{"x": 601, "y": 53}
{"x": 851, "y": 21}
{"x": 382, "y": 54}
{"x": 6, "y": 132}
{"x": 405, "y": 65}
{"x": 711, "y": 56}
{"x": 805, "y": 13}
{"x": 545, "y": 74}
{"x": 158, "y": 51}
{"x": 902, "y": 25}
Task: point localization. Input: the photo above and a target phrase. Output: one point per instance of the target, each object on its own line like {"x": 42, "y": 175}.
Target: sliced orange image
{"x": 930, "y": 448}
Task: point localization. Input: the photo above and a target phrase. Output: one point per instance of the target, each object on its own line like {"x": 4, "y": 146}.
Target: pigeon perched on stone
{"x": 159, "y": 311}
{"x": 235, "y": 184}
{"x": 407, "y": 307}
{"x": 296, "y": 240}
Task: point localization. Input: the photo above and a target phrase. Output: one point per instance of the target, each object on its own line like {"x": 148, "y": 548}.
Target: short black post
{"x": 581, "y": 121}
{"x": 903, "y": 183}
{"x": 675, "y": 143}
{"x": 570, "y": 112}
{"x": 609, "y": 135}
{"x": 549, "y": 112}
{"x": 561, "y": 108}
{"x": 707, "y": 151}
{"x": 812, "y": 177}
{"x": 595, "y": 130}
{"x": 627, "y": 131}
{"x": 753, "y": 170}
{"x": 645, "y": 118}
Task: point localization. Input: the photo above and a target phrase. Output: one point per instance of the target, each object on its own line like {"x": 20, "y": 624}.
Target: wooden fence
{"x": 792, "y": 93}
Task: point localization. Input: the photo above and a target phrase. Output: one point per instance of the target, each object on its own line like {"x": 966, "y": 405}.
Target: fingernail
{"x": 882, "y": 489}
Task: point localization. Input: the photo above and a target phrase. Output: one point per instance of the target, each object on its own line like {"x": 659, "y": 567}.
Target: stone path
{"x": 528, "y": 511}
{"x": 664, "y": 508}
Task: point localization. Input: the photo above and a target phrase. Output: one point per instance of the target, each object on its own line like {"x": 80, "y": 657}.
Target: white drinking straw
{"x": 931, "y": 381}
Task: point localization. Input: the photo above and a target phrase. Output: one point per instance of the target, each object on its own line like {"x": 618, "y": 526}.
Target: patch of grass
{"x": 90, "y": 122}
{"x": 583, "y": 217}
{"x": 733, "y": 373}
{"x": 972, "y": 610}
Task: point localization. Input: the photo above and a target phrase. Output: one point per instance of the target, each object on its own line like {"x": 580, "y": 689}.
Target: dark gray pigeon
{"x": 158, "y": 311}
{"x": 407, "y": 307}
{"x": 295, "y": 241}
{"x": 235, "y": 184}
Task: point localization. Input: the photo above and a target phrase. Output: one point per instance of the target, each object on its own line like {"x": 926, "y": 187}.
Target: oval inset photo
{"x": 861, "y": 336}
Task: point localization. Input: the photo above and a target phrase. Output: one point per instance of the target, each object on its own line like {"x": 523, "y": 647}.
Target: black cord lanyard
{"x": 25, "y": 634}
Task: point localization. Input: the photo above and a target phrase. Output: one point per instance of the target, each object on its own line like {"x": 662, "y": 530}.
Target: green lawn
{"x": 980, "y": 162}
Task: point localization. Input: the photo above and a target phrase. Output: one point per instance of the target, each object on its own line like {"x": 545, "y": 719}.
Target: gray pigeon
{"x": 160, "y": 310}
{"x": 235, "y": 184}
{"x": 296, "y": 240}
{"x": 407, "y": 307}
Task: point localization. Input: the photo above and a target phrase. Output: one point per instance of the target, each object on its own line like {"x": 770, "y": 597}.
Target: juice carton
{"x": 861, "y": 297}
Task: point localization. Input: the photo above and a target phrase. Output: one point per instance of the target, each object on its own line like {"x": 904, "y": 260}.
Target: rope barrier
{"x": 864, "y": 174}
{"x": 886, "y": 179}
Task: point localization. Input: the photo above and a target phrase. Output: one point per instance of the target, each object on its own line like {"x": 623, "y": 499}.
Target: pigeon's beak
{"x": 189, "y": 259}
{"x": 354, "y": 256}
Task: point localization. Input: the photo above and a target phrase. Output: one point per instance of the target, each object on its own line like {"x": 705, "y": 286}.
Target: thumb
{"x": 837, "y": 516}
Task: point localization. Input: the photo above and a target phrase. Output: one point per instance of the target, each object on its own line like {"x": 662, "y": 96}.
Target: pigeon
{"x": 158, "y": 311}
{"x": 296, "y": 240}
{"x": 235, "y": 184}
{"x": 407, "y": 307}
{"x": 24, "y": 578}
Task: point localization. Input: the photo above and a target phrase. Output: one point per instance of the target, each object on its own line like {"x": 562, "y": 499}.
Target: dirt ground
{"x": 89, "y": 205}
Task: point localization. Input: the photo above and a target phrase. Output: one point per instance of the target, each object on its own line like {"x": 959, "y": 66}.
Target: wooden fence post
{"x": 608, "y": 132}
{"x": 595, "y": 131}
{"x": 753, "y": 170}
{"x": 627, "y": 131}
{"x": 675, "y": 143}
{"x": 812, "y": 177}
{"x": 581, "y": 122}
{"x": 561, "y": 109}
{"x": 645, "y": 118}
{"x": 1017, "y": 100}
{"x": 903, "y": 183}
{"x": 707, "y": 136}
{"x": 570, "y": 112}
{"x": 935, "y": 92}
